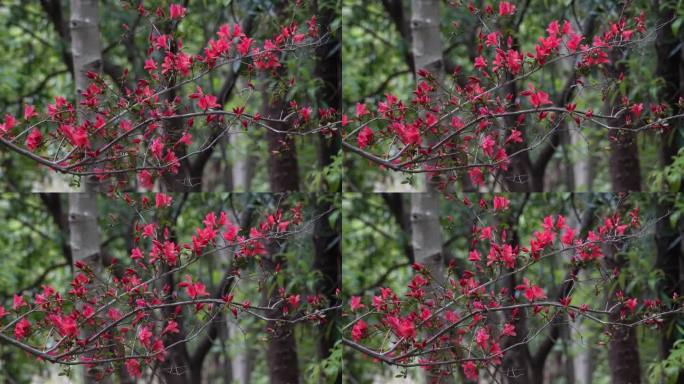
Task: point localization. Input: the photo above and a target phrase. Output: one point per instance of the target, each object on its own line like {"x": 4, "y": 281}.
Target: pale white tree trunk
{"x": 426, "y": 42}
{"x": 86, "y": 52}
{"x": 426, "y": 37}
{"x": 584, "y": 360}
{"x": 243, "y": 171}
{"x": 244, "y": 354}
{"x": 427, "y": 54}
{"x": 87, "y": 57}
{"x": 581, "y": 159}
{"x": 84, "y": 230}
{"x": 426, "y": 232}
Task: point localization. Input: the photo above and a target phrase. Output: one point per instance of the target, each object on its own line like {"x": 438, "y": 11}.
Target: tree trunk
{"x": 516, "y": 366}
{"x": 329, "y": 70}
{"x": 281, "y": 354}
{"x": 242, "y": 363}
{"x": 625, "y": 171}
{"x": 283, "y": 168}
{"x": 243, "y": 173}
{"x": 624, "y": 158}
{"x": 426, "y": 241}
{"x": 669, "y": 67}
{"x": 581, "y": 169}
{"x": 426, "y": 37}
{"x": 84, "y": 241}
{"x": 521, "y": 175}
{"x": 328, "y": 260}
{"x": 623, "y": 355}
{"x": 86, "y": 52}
{"x": 84, "y": 230}
{"x": 177, "y": 367}
{"x": 327, "y": 236}
{"x": 398, "y": 206}
{"x": 427, "y": 51}
{"x": 668, "y": 260}
{"x": 623, "y": 349}
{"x": 585, "y": 360}
{"x": 426, "y": 231}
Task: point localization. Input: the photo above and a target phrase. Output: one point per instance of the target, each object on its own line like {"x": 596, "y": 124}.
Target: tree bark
{"x": 281, "y": 354}
{"x": 176, "y": 368}
{"x": 329, "y": 70}
{"x": 517, "y": 365}
{"x": 328, "y": 260}
{"x": 55, "y": 206}
{"x": 427, "y": 54}
{"x": 623, "y": 349}
{"x": 84, "y": 230}
{"x": 426, "y": 231}
{"x": 624, "y": 355}
{"x": 86, "y": 53}
{"x": 624, "y": 158}
{"x": 242, "y": 363}
{"x": 668, "y": 260}
{"x": 398, "y": 207}
{"x": 283, "y": 167}
{"x": 244, "y": 167}
{"x": 282, "y": 161}
{"x": 426, "y": 241}
{"x": 625, "y": 171}
{"x": 670, "y": 67}
{"x": 85, "y": 240}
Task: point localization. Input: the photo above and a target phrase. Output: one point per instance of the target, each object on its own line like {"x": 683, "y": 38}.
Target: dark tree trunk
{"x": 669, "y": 258}
{"x": 397, "y": 206}
{"x": 517, "y": 363}
{"x": 624, "y": 158}
{"x": 396, "y": 11}
{"x": 520, "y": 176}
{"x": 625, "y": 172}
{"x": 184, "y": 180}
{"x": 176, "y": 369}
{"x": 623, "y": 355}
{"x": 53, "y": 204}
{"x": 329, "y": 70}
{"x": 187, "y": 179}
{"x": 283, "y": 169}
{"x": 670, "y": 68}
{"x": 623, "y": 350}
{"x": 328, "y": 260}
{"x": 281, "y": 354}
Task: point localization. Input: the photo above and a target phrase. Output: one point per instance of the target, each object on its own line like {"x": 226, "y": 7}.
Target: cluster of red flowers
{"x": 435, "y": 322}
{"x": 98, "y": 310}
{"x": 413, "y": 136}
{"x": 123, "y": 132}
